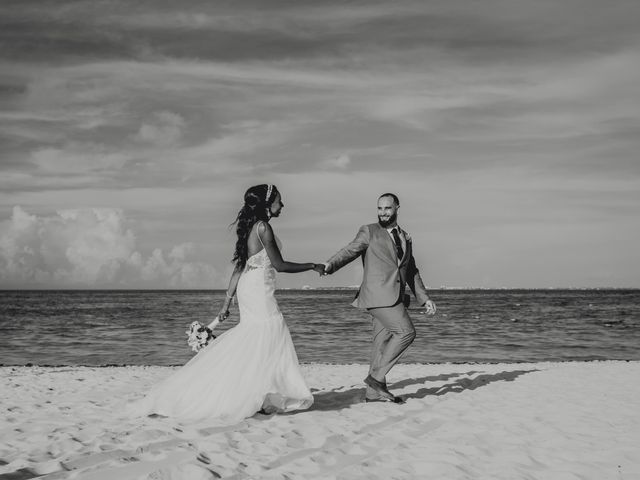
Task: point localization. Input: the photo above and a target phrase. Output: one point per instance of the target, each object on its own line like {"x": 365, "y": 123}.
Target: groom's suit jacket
{"x": 384, "y": 279}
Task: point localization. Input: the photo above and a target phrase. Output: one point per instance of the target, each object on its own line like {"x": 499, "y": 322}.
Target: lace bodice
{"x": 261, "y": 259}
{"x": 258, "y": 260}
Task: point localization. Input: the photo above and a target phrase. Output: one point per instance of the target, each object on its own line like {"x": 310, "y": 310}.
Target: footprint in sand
{"x": 294, "y": 439}
{"x": 43, "y": 468}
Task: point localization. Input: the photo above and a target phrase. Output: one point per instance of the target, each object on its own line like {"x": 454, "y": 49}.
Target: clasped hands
{"x": 321, "y": 268}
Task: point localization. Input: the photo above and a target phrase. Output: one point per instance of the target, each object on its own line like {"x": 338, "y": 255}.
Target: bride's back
{"x": 254, "y": 244}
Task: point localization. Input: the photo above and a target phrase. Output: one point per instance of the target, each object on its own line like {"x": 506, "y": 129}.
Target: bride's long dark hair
{"x": 257, "y": 204}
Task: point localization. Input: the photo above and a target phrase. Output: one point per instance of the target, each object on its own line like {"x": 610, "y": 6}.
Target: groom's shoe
{"x": 398, "y": 400}
{"x": 379, "y": 387}
{"x": 382, "y": 393}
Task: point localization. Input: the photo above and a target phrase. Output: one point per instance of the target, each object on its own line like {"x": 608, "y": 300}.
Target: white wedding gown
{"x": 249, "y": 367}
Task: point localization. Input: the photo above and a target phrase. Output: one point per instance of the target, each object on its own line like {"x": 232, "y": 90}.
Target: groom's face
{"x": 387, "y": 212}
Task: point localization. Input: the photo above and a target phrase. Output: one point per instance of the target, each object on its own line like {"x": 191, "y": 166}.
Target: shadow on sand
{"x": 338, "y": 399}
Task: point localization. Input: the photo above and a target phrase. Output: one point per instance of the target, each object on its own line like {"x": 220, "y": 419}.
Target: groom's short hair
{"x": 392, "y": 195}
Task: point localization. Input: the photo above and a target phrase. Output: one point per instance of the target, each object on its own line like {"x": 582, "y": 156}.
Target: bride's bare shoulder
{"x": 263, "y": 229}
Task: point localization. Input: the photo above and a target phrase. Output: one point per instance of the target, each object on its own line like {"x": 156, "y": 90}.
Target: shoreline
{"x": 514, "y": 362}
{"x": 541, "y": 420}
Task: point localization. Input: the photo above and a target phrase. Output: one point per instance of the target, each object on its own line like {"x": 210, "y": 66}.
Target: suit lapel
{"x": 391, "y": 246}
{"x": 388, "y": 241}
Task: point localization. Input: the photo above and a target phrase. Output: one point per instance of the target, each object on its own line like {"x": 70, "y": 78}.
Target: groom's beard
{"x": 385, "y": 223}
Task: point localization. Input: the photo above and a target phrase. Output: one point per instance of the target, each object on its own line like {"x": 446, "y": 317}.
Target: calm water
{"x": 148, "y": 327}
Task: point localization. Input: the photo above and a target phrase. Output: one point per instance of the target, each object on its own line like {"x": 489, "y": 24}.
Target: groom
{"x": 389, "y": 266}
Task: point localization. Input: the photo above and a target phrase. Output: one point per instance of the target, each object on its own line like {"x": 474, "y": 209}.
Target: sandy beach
{"x": 574, "y": 420}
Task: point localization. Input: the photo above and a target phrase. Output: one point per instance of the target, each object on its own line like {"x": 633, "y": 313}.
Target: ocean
{"x": 147, "y": 327}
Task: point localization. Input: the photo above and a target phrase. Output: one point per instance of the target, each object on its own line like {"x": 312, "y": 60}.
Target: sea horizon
{"x": 301, "y": 288}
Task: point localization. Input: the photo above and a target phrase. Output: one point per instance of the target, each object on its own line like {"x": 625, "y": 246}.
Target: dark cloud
{"x": 52, "y": 42}
{"x": 11, "y": 89}
{"x": 498, "y": 31}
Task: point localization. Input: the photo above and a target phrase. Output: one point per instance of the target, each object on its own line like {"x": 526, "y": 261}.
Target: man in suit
{"x": 389, "y": 266}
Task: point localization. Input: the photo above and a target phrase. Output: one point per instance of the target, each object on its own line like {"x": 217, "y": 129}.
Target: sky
{"x": 509, "y": 129}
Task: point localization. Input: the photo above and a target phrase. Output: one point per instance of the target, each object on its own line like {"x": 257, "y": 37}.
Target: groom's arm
{"x": 349, "y": 253}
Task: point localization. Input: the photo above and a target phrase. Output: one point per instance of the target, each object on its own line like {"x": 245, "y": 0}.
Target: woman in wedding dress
{"x": 252, "y": 366}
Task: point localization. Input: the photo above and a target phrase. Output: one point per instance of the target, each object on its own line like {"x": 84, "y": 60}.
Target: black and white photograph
{"x": 331, "y": 239}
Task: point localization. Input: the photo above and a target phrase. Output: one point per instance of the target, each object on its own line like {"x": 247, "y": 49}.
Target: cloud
{"x": 90, "y": 248}
{"x": 77, "y": 158}
{"x": 165, "y": 129}
{"x": 495, "y": 29}
{"x": 340, "y": 162}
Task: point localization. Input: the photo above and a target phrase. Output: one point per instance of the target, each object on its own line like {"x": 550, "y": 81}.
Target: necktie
{"x": 398, "y": 242}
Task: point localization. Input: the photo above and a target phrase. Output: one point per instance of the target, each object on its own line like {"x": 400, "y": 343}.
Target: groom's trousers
{"x": 393, "y": 332}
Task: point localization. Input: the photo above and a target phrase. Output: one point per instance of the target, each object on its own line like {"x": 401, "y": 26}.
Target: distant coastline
{"x": 442, "y": 287}
{"x": 309, "y": 288}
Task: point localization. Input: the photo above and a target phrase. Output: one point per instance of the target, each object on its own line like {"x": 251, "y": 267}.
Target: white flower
{"x": 198, "y": 336}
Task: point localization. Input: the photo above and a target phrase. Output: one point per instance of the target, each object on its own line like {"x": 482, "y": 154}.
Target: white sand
{"x": 505, "y": 421}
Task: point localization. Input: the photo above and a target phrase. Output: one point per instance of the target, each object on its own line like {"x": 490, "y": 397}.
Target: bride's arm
{"x": 266, "y": 235}
{"x": 231, "y": 291}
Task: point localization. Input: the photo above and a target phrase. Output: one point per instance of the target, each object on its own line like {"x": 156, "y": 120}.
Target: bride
{"x": 252, "y": 366}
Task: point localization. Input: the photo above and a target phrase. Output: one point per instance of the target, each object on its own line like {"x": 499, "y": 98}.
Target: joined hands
{"x": 319, "y": 267}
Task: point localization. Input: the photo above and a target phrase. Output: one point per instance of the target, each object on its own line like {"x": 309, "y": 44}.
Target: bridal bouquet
{"x": 199, "y": 336}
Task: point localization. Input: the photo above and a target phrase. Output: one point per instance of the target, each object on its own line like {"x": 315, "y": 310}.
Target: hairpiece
{"x": 269, "y": 190}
